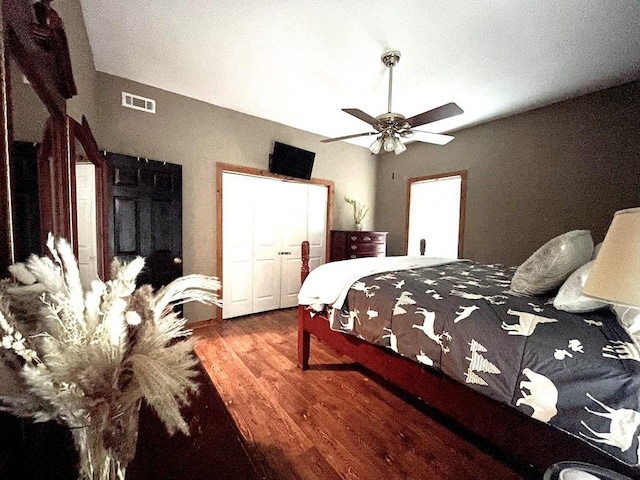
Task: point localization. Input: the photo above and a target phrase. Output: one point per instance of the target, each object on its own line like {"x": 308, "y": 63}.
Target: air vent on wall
{"x": 138, "y": 103}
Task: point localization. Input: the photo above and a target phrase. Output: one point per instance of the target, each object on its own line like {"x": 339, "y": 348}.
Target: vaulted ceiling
{"x": 298, "y": 62}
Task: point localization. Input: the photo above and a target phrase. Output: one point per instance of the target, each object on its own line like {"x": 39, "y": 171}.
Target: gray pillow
{"x": 570, "y": 298}
{"x": 552, "y": 263}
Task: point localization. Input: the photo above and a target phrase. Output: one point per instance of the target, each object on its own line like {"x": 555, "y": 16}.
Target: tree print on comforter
{"x": 576, "y": 372}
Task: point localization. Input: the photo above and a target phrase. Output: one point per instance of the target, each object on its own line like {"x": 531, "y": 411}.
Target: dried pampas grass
{"x": 87, "y": 359}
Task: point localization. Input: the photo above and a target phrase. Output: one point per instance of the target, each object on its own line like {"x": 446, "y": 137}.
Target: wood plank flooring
{"x": 334, "y": 421}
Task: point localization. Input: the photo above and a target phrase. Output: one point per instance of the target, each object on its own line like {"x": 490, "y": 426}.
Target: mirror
{"x": 34, "y": 41}
{"x": 30, "y": 41}
{"x": 28, "y": 120}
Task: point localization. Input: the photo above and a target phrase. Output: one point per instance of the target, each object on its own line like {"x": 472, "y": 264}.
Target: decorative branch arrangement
{"x": 88, "y": 359}
{"x": 359, "y": 210}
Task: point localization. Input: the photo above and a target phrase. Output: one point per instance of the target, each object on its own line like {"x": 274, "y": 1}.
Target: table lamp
{"x": 615, "y": 275}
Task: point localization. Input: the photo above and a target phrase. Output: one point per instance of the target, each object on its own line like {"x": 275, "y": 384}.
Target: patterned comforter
{"x": 577, "y": 372}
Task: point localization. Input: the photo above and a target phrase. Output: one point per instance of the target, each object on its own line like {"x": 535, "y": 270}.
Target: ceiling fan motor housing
{"x": 390, "y": 117}
{"x": 391, "y": 58}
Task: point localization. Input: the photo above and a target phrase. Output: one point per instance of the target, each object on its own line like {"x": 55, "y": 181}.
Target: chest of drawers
{"x": 357, "y": 244}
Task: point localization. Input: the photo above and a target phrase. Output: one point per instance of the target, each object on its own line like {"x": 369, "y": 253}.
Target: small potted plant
{"x": 359, "y": 212}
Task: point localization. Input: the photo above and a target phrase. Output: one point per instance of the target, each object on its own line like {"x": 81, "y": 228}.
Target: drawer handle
{"x": 353, "y": 256}
{"x": 353, "y": 238}
{"x": 367, "y": 239}
{"x": 354, "y": 247}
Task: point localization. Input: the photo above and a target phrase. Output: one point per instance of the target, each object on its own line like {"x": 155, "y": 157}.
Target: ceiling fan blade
{"x": 327, "y": 140}
{"x": 365, "y": 117}
{"x": 439, "y": 113}
{"x": 429, "y": 137}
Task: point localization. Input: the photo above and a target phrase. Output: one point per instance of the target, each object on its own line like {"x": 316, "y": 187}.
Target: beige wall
{"x": 197, "y": 135}
{"x": 84, "y": 72}
{"x": 531, "y": 176}
{"x": 193, "y": 134}
{"x": 28, "y": 113}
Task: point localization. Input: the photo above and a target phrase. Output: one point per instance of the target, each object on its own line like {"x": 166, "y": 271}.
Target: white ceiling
{"x": 298, "y": 62}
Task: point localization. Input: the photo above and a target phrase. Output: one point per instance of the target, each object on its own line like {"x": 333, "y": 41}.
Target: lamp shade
{"x": 615, "y": 275}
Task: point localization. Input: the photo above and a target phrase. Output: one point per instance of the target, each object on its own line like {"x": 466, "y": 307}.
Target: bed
{"x": 540, "y": 384}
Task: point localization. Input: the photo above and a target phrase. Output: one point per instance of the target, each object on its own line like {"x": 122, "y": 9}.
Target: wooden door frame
{"x": 463, "y": 202}
{"x": 222, "y": 167}
{"x": 83, "y": 134}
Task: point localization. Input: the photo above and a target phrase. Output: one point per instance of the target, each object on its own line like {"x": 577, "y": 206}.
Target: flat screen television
{"x": 291, "y": 161}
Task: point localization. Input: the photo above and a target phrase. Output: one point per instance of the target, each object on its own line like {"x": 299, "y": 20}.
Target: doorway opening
{"x": 86, "y": 217}
{"x": 436, "y": 208}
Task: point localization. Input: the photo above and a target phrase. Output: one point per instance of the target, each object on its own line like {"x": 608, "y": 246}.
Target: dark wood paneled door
{"x": 145, "y": 216}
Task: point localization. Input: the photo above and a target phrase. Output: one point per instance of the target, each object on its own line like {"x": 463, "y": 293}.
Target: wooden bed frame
{"x": 527, "y": 440}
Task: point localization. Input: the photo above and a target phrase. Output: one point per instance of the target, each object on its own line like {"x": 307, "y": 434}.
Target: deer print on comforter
{"x": 461, "y": 318}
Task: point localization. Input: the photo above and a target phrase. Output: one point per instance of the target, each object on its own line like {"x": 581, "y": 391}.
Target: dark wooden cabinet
{"x": 357, "y": 244}
{"x": 214, "y": 449}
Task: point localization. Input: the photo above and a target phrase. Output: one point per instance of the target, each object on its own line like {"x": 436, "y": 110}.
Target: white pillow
{"x": 570, "y": 298}
{"x": 576, "y": 474}
{"x": 629, "y": 318}
{"x": 552, "y": 263}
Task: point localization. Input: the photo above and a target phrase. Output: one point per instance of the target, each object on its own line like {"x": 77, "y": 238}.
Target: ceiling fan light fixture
{"x": 400, "y": 147}
{"x": 389, "y": 143}
{"x": 376, "y": 146}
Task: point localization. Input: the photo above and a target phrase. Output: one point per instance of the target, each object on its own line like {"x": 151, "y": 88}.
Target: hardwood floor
{"x": 334, "y": 421}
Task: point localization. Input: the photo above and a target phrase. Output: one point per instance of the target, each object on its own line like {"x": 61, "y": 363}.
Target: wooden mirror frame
{"x": 82, "y": 133}
{"x": 33, "y": 35}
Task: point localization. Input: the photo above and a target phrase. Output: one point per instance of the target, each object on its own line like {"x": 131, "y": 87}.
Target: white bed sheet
{"x": 328, "y": 284}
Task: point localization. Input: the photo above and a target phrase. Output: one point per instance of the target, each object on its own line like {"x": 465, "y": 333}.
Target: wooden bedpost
{"x": 304, "y": 337}
{"x": 305, "y": 261}
{"x": 304, "y": 341}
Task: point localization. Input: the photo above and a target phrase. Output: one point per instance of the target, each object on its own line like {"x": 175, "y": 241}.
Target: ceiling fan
{"x": 392, "y": 127}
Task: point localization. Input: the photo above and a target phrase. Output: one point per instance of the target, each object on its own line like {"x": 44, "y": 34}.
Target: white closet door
{"x": 264, "y": 222}
{"x": 237, "y": 241}
{"x": 317, "y": 224}
{"x": 293, "y": 231}
{"x": 266, "y": 244}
